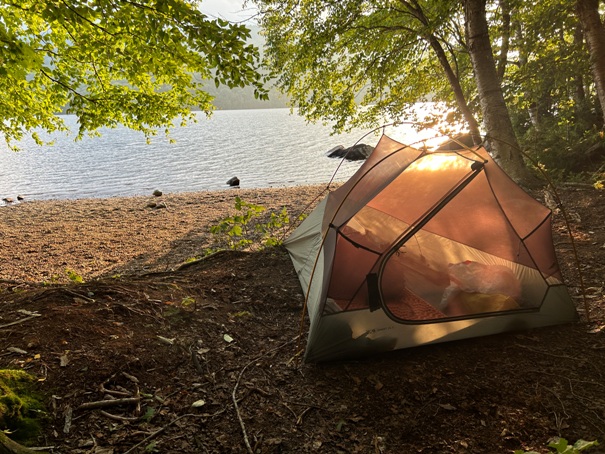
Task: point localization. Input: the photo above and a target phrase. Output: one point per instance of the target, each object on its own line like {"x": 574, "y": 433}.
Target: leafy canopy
{"x": 359, "y": 62}
{"x": 139, "y": 63}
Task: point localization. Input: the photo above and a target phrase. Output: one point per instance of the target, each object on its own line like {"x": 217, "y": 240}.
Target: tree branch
{"x": 86, "y": 19}
{"x": 67, "y": 87}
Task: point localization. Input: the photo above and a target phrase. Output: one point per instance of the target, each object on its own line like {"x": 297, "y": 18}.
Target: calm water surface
{"x": 263, "y": 148}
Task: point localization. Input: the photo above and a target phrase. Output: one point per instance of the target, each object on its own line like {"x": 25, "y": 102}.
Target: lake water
{"x": 263, "y": 148}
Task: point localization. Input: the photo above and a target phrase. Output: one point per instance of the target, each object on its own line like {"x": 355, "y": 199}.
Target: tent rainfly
{"x": 421, "y": 247}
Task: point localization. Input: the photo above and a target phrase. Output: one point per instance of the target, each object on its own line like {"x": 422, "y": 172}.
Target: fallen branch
{"x": 132, "y": 378}
{"x": 112, "y": 392}
{"x": 20, "y": 321}
{"x": 109, "y": 403}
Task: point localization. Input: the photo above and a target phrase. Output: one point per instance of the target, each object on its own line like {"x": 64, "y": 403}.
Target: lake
{"x": 263, "y": 148}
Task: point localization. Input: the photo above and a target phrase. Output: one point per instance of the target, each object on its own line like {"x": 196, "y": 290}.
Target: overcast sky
{"x": 231, "y": 10}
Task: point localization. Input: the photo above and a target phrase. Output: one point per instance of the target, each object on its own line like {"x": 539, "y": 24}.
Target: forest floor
{"x": 147, "y": 356}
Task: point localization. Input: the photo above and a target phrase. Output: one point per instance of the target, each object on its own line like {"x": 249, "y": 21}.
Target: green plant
{"x": 149, "y": 414}
{"x": 152, "y": 447}
{"x": 53, "y": 280}
{"x": 188, "y": 301}
{"x": 246, "y": 228}
{"x": 561, "y": 446}
{"x": 73, "y": 276}
{"x": 275, "y": 224}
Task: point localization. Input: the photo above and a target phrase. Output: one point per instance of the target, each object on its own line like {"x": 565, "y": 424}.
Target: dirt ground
{"x": 145, "y": 356}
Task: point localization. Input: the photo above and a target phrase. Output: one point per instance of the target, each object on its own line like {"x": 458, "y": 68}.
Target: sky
{"x": 231, "y": 10}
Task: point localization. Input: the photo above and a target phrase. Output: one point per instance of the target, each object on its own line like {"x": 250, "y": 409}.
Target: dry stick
{"x": 78, "y": 295}
{"x": 20, "y": 321}
{"x": 109, "y": 403}
{"x": 234, "y": 398}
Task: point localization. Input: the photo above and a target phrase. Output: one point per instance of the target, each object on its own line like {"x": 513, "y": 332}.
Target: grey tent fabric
{"x": 425, "y": 246}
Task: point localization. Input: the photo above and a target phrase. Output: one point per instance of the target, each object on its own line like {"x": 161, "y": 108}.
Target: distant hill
{"x": 243, "y": 98}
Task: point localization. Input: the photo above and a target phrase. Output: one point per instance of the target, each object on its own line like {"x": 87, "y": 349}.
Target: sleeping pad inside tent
{"x": 421, "y": 247}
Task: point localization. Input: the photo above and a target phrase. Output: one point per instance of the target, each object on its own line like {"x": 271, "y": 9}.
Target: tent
{"x": 420, "y": 247}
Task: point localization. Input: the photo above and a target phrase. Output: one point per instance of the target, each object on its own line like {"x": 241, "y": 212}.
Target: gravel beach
{"x": 41, "y": 240}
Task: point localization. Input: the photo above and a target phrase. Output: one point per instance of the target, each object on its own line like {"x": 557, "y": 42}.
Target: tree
{"x": 594, "y": 32}
{"x": 357, "y": 63}
{"x": 416, "y": 11}
{"x": 496, "y": 118}
{"x": 517, "y": 66}
{"x": 329, "y": 52}
{"x": 548, "y": 86}
{"x": 140, "y": 63}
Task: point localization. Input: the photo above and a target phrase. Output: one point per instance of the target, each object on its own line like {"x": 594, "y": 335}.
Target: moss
{"x": 21, "y": 408}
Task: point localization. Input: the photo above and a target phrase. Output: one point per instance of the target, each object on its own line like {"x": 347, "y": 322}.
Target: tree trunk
{"x": 500, "y": 134}
{"x": 594, "y": 32}
{"x": 473, "y": 126}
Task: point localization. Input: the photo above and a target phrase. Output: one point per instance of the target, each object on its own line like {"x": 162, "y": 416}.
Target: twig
{"x": 542, "y": 352}
{"x": 233, "y": 394}
{"x": 132, "y": 378}
{"x": 112, "y": 392}
{"x": 206, "y": 258}
{"x": 78, "y": 295}
{"x": 300, "y": 417}
{"x": 291, "y": 411}
{"x": 19, "y": 321}
{"x": 11, "y": 281}
{"x": 109, "y": 403}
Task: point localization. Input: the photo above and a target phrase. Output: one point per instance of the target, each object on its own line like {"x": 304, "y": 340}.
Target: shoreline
{"x": 40, "y": 240}
{"x": 18, "y": 199}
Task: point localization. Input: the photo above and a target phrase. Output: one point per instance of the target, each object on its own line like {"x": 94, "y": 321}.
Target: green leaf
{"x": 581, "y": 445}
{"x": 140, "y": 64}
{"x": 236, "y": 231}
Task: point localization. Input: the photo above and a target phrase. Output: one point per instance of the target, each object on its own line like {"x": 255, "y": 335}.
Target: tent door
{"x": 376, "y": 298}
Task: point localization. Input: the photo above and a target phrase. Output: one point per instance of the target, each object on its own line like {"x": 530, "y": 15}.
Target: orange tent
{"x": 421, "y": 247}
